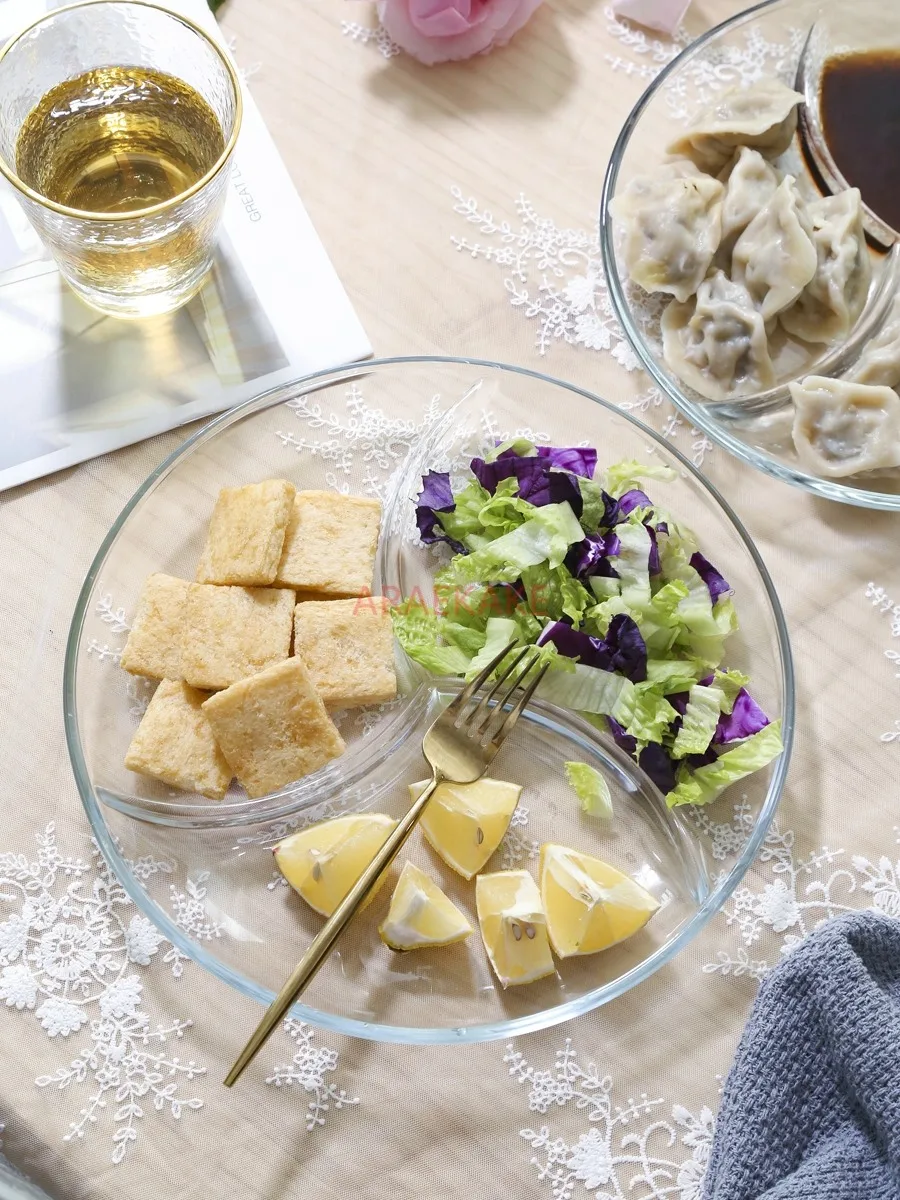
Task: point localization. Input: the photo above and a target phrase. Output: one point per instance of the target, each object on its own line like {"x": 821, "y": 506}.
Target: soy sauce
{"x": 860, "y": 107}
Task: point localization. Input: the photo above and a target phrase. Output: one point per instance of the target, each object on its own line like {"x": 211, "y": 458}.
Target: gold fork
{"x": 459, "y": 747}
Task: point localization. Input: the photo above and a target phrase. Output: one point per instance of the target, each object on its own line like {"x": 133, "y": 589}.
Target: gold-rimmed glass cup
{"x": 146, "y": 251}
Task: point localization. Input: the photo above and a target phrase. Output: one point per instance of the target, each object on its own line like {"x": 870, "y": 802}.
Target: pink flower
{"x": 440, "y": 30}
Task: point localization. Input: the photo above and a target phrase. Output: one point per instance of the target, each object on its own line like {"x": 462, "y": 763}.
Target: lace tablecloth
{"x": 459, "y": 206}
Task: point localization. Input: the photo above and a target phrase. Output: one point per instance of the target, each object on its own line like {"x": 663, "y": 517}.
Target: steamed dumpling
{"x": 775, "y": 257}
{"x": 763, "y": 116}
{"x": 831, "y": 302}
{"x": 879, "y": 363}
{"x": 677, "y": 168}
{"x": 843, "y": 428}
{"x": 750, "y": 183}
{"x": 670, "y": 231}
{"x": 717, "y": 345}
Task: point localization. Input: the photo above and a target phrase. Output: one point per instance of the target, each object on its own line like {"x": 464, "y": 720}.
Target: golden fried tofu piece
{"x": 154, "y": 643}
{"x": 232, "y": 632}
{"x": 330, "y": 544}
{"x": 348, "y": 649}
{"x": 273, "y": 727}
{"x": 246, "y": 534}
{"x": 174, "y": 743}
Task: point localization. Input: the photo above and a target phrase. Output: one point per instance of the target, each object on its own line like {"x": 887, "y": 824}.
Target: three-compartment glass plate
{"x": 374, "y": 429}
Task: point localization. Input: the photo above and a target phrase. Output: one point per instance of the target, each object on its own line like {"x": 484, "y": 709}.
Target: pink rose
{"x": 440, "y": 30}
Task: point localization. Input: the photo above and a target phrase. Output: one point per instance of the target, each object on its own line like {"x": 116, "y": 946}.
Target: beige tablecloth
{"x": 459, "y": 207}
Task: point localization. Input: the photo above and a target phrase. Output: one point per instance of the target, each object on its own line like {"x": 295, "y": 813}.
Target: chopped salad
{"x": 615, "y": 594}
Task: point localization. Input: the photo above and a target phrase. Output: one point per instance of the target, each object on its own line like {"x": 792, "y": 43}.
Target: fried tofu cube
{"x": 232, "y": 632}
{"x": 330, "y": 544}
{"x": 246, "y": 534}
{"x": 348, "y": 649}
{"x": 174, "y": 743}
{"x": 273, "y": 727}
{"x": 153, "y": 647}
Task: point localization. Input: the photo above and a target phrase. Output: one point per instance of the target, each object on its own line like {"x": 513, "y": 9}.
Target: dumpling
{"x": 879, "y": 363}
{"x": 775, "y": 257}
{"x": 831, "y": 302}
{"x": 763, "y": 116}
{"x": 750, "y": 183}
{"x": 677, "y": 168}
{"x": 843, "y": 428}
{"x": 671, "y": 230}
{"x": 718, "y": 344}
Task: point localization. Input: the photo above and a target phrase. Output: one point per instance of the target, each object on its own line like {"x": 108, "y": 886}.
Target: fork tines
{"x": 484, "y": 720}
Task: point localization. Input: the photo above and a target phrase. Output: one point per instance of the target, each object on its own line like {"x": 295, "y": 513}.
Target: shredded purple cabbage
{"x": 538, "y": 484}
{"x": 718, "y": 585}
{"x": 591, "y": 557}
{"x": 745, "y": 719}
{"x": 623, "y": 649}
{"x": 436, "y": 497}
{"x": 580, "y": 460}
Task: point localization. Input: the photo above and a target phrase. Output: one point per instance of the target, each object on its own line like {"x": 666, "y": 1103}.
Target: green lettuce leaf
{"x": 543, "y": 537}
{"x": 589, "y": 690}
{"x": 418, "y": 629}
{"x": 593, "y": 504}
{"x": 730, "y": 683}
{"x": 464, "y": 523}
{"x": 647, "y": 716}
{"x": 604, "y": 588}
{"x": 591, "y": 789}
{"x": 519, "y": 445}
{"x": 554, "y": 593}
{"x": 706, "y": 784}
{"x": 633, "y": 564}
{"x": 621, "y": 477}
{"x": 499, "y": 632}
{"x": 700, "y": 720}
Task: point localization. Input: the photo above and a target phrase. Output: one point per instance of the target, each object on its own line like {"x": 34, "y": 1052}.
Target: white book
{"x": 75, "y": 384}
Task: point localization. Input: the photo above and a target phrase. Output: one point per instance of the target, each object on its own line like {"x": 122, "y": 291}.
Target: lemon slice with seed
{"x": 323, "y": 862}
{"x": 589, "y": 904}
{"x": 513, "y": 927}
{"x": 465, "y": 822}
{"x": 421, "y": 915}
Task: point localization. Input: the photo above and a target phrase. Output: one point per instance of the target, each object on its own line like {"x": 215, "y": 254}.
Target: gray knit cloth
{"x": 811, "y": 1109}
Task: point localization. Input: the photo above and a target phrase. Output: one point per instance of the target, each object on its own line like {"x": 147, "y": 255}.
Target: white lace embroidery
{"x": 371, "y": 35}
{"x": 725, "y": 65}
{"x": 308, "y": 1069}
{"x": 629, "y": 1149}
{"x": 888, "y": 608}
{"x": 115, "y": 618}
{"x": 517, "y": 848}
{"x": 68, "y": 953}
{"x": 366, "y": 432}
{"x": 647, "y": 55}
{"x": 555, "y": 277}
{"x": 103, "y": 651}
{"x": 801, "y": 892}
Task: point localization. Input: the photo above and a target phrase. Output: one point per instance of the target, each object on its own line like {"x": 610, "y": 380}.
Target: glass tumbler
{"x": 148, "y": 260}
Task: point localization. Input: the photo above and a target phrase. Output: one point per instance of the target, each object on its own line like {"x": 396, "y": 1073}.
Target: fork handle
{"x": 324, "y": 941}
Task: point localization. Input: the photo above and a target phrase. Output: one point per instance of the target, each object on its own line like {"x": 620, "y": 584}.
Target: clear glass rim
{"x": 700, "y": 414}
{"x": 415, "y": 1035}
{"x": 153, "y": 210}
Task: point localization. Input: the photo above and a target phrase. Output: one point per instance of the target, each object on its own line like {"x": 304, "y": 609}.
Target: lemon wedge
{"x": 421, "y": 915}
{"x": 465, "y": 822}
{"x": 323, "y": 862}
{"x": 513, "y": 926}
{"x": 589, "y": 904}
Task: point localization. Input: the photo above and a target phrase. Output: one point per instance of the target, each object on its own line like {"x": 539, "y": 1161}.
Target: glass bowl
{"x": 202, "y": 871}
{"x": 787, "y": 39}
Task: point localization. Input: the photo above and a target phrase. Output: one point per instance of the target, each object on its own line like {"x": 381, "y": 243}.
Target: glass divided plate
{"x": 789, "y": 40}
{"x": 203, "y": 871}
